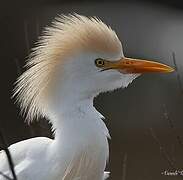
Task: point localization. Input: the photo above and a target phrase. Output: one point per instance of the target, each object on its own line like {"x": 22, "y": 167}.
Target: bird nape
{"x": 75, "y": 59}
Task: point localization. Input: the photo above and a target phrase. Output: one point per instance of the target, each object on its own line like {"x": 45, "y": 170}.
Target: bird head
{"x": 80, "y": 56}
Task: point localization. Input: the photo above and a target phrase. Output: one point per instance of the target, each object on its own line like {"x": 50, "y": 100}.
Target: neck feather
{"x": 80, "y": 138}
{"x": 77, "y": 117}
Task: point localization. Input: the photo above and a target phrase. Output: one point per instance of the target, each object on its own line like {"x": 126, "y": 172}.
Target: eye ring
{"x": 99, "y": 62}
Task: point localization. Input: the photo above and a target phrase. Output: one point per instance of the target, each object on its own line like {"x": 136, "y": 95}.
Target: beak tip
{"x": 170, "y": 70}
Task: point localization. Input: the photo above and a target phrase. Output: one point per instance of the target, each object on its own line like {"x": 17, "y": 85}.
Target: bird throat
{"x": 82, "y": 135}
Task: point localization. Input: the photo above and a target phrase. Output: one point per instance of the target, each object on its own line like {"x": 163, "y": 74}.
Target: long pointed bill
{"x": 130, "y": 66}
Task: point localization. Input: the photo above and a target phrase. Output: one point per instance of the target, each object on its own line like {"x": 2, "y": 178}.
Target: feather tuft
{"x": 67, "y": 35}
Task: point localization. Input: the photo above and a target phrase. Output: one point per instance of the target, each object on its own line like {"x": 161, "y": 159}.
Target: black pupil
{"x": 100, "y": 62}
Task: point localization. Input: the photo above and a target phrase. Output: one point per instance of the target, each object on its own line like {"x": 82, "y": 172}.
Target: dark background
{"x": 145, "y": 120}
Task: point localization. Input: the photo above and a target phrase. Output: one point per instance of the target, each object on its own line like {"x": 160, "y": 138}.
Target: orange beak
{"x": 132, "y": 66}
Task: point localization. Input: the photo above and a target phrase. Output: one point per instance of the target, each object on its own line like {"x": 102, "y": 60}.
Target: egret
{"x": 75, "y": 59}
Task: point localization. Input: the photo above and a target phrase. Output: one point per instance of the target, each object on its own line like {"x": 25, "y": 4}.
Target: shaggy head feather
{"x": 68, "y": 35}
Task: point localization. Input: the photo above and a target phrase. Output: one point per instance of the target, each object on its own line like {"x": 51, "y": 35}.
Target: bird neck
{"x": 77, "y": 120}
{"x": 80, "y": 139}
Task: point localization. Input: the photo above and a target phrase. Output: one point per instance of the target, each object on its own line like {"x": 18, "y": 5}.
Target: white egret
{"x": 75, "y": 59}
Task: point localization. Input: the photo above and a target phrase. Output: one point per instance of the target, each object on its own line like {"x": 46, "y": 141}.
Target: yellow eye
{"x": 99, "y": 62}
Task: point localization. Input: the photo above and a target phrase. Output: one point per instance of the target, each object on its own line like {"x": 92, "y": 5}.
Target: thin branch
{"x": 172, "y": 126}
{"x": 124, "y": 166}
{"x": 17, "y": 63}
{"x": 164, "y": 153}
{"x": 8, "y": 154}
{"x": 174, "y": 60}
{"x": 177, "y": 72}
{"x": 181, "y": 90}
{"x": 37, "y": 27}
{"x": 26, "y": 37}
{"x": 173, "y": 152}
{"x": 4, "y": 175}
{"x": 162, "y": 150}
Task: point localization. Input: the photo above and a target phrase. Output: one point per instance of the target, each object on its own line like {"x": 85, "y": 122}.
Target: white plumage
{"x": 75, "y": 59}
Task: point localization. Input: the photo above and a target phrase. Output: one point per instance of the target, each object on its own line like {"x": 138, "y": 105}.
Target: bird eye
{"x": 99, "y": 62}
